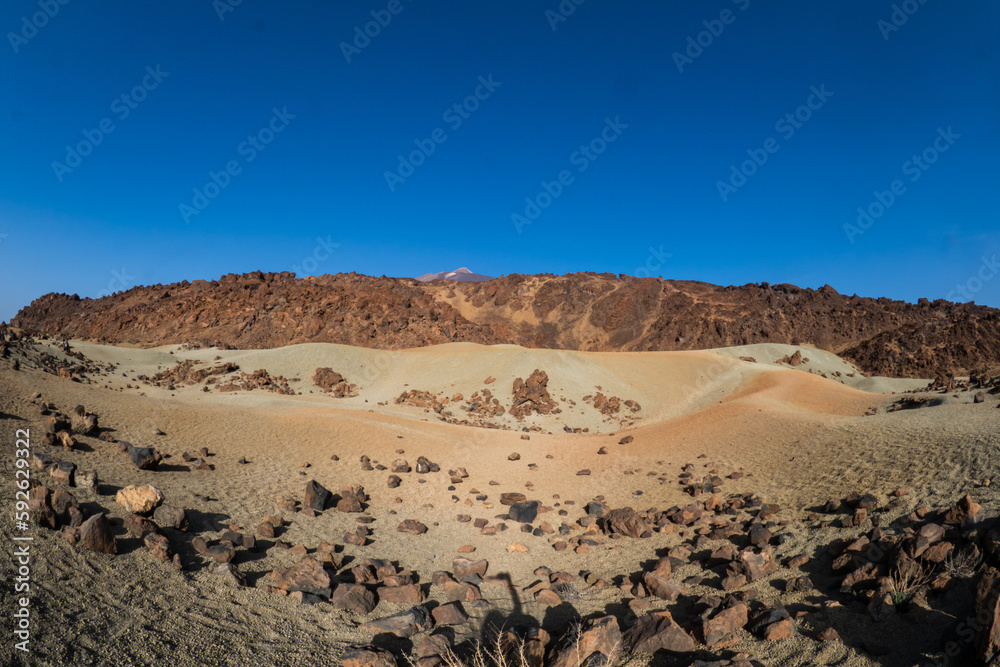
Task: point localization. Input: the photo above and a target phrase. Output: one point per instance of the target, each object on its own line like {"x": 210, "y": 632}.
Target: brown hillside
{"x": 581, "y": 311}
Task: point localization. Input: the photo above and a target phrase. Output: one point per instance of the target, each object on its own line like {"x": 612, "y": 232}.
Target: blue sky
{"x": 153, "y": 142}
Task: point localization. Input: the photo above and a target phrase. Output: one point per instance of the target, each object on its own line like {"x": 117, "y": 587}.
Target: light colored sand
{"x": 825, "y": 364}
{"x": 799, "y": 437}
{"x": 667, "y": 385}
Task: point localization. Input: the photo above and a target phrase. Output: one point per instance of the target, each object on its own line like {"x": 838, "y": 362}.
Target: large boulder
{"x": 463, "y": 567}
{"x": 95, "y": 534}
{"x": 315, "y": 496}
{"x": 524, "y": 512}
{"x": 144, "y": 458}
{"x": 139, "y": 499}
{"x": 626, "y": 521}
{"x": 367, "y": 656}
{"x": 353, "y": 597}
{"x": 655, "y": 631}
{"x": 307, "y": 576}
{"x": 598, "y": 642}
{"x": 171, "y": 517}
{"x": 84, "y": 424}
{"x": 403, "y": 624}
{"x": 720, "y": 631}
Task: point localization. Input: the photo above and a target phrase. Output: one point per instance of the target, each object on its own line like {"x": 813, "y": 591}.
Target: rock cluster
{"x": 532, "y": 396}
{"x": 334, "y": 383}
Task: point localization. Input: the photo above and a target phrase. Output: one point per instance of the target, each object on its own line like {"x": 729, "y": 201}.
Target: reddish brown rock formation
{"x": 582, "y": 311}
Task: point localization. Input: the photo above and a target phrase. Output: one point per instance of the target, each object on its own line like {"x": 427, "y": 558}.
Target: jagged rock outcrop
{"x": 582, "y": 311}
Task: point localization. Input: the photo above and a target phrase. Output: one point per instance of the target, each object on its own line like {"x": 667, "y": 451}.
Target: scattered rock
{"x": 315, "y": 496}
{"x": 598, "y": 642}
{"x": 139, "y": 499}
{"x": 524, "y": 511}
{"x": 367, "y": 656}
{"x": 158, "y": 545}
{"x": 412, "y": 527}
{"x": 449, "y": 614}
{"x": 353, "y": 597}
{"x": 307, "y": 575}
{"x": 656, "y": 631}
{"x": 403, "y": 624}
{"x": 628, "y": 522}
{"x": 511, "y": 498}
{"x": 171, "y": 517}
{"x": 463, "y": 567}
{"x": 95, "y": 534}
{"x": 144, "y": 458}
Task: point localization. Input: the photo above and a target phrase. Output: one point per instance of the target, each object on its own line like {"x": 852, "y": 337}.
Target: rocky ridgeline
{"x": 609, "y": 312}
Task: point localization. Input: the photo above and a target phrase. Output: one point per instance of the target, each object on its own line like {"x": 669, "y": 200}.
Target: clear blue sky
{"x": 200, "y": 92}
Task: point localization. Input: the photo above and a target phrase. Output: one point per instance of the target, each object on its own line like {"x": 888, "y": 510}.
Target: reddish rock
{"x": 656, "y": 631}
{"x": 773, "y": 624}
{"x": 403, "y": 624}
{"x": 532, "y": 396}
{"x": 138, "y": 526}
{"x": 353, "y": 597}
{"x": 463, "y": 567}
{"x": 628, "y": 522}
{"x": 158, "y": 545}
{"x": 95, "y": 534}
{"x": 316, "y": 496}
{"x": 661, "y": 587}
{"x": 720, "y": 631}
{"x": 412, "y": 527}
{"x": 599, "y": 642}
{"x": 926, "y": 536}
{"x": 963, "y": 510}
{"x": 307, "y": 575}
{"x": 410, "y": 594}
{"x": 367, "y": 656}
{"x": 548, "y": 597}
{"x": 449, "y": 614}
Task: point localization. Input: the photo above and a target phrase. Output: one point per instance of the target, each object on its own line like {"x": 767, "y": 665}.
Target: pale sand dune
{"x": 823, "y": 363}
{"x": 668, "y": 385}
{"x": 799, "y": 438}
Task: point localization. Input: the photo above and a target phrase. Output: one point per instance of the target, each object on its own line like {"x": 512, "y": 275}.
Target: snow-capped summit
{"x": 459, "y": 275}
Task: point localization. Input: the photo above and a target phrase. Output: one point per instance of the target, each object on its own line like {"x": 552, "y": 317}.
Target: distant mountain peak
{"x": 459, "y": 275}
